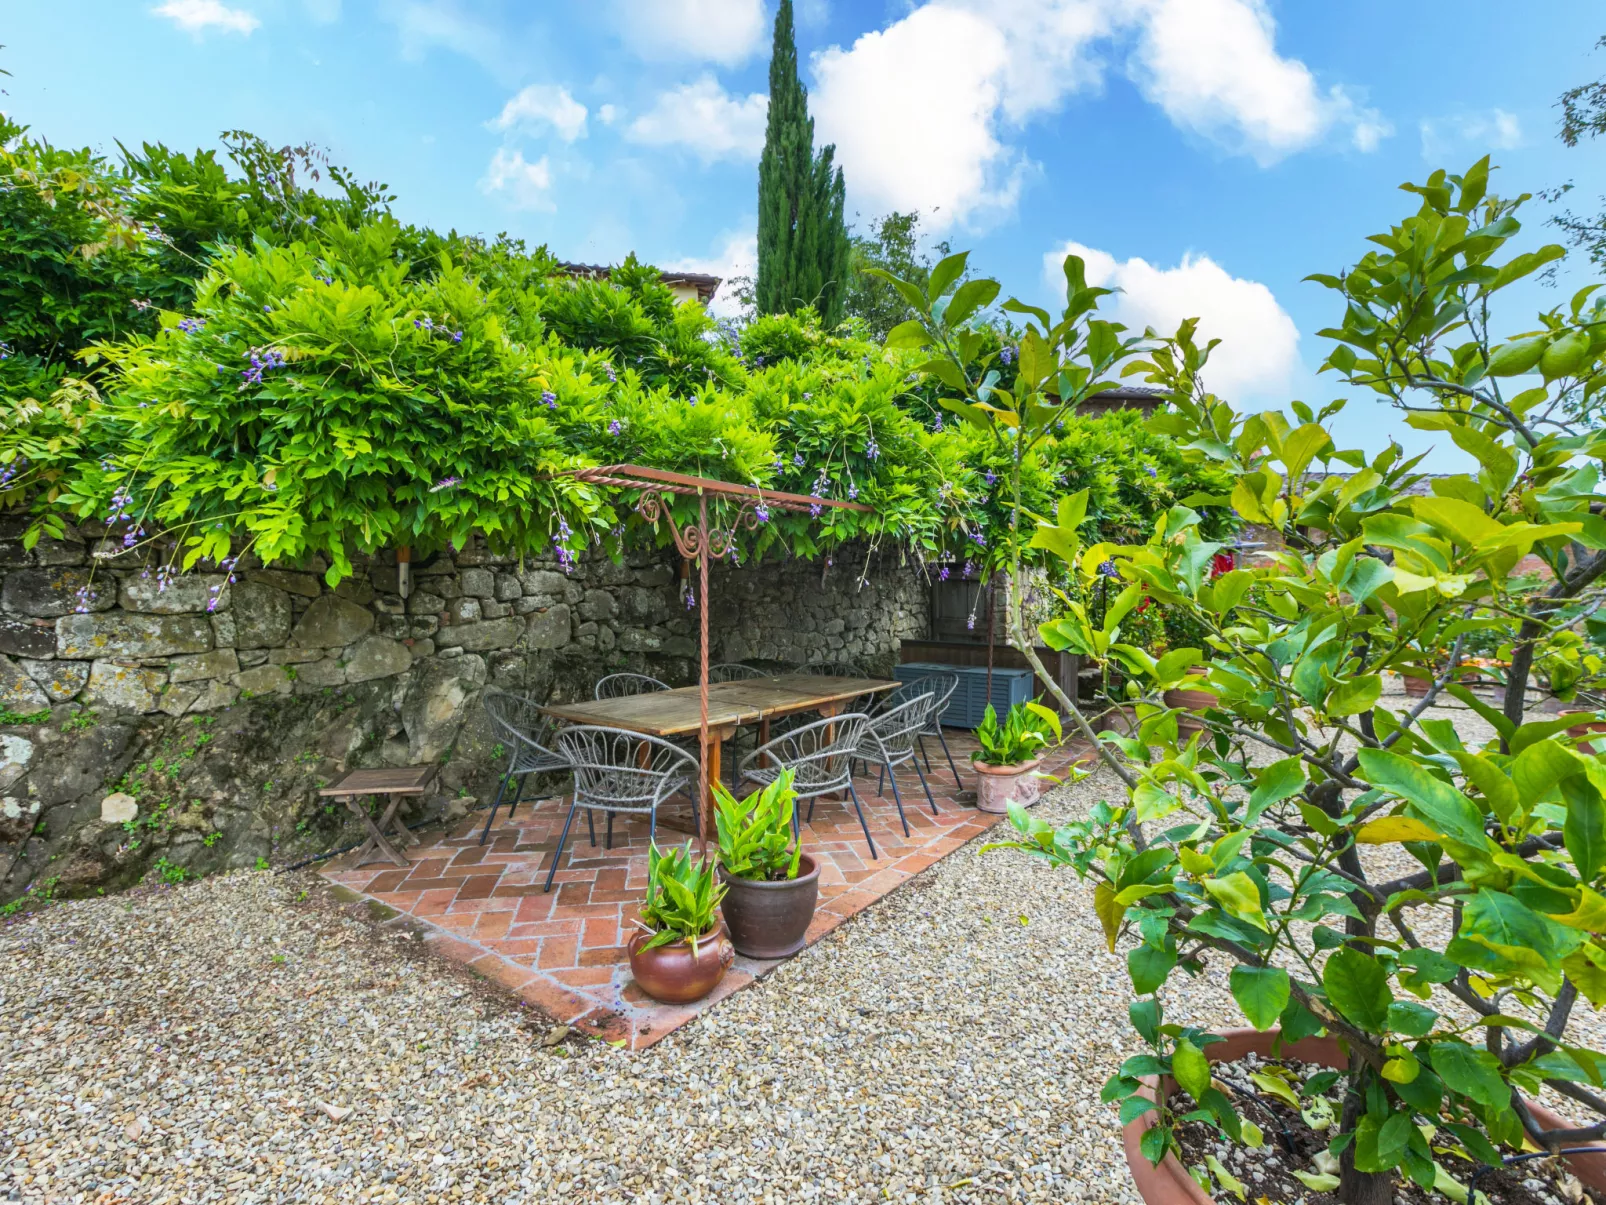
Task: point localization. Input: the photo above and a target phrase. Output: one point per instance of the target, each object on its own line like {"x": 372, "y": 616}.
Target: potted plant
{"x": 771, "y": 885}
{"x": 682, "y": 952}
{"x": 1191, "y": 698}
{"x": 1006, "y": 764}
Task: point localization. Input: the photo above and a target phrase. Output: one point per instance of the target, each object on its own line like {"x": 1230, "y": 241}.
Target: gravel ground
{"x": 247, "y": 1039}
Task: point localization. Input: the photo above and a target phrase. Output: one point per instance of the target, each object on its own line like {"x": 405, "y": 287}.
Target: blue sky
{"x": 1205, "y": 155}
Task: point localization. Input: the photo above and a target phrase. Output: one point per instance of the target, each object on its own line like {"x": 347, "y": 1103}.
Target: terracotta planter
{"x": 1590, "y": 726}
{"x": 770, "y": 919}
{"x": 1122, "y": 719}
{"x": 999, "y": 786}
{"x": 1191, "y": 699}
{"x": 1170, "y": 1184}
{"x": 671, "y": 974}
{"x": 1417, "y": 688}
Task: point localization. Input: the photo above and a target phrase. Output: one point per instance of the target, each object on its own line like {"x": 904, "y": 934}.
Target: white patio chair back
{"x": 818, "y": 754}
{"x": 733, "y": 671}
{"x": 620, "y": 771}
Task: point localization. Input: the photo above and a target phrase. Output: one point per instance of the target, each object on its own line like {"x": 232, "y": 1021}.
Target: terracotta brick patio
{"x": 564, "y": 952}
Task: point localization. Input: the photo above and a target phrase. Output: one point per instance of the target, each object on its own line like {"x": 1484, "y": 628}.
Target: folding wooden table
{"x": 397, "y": 784}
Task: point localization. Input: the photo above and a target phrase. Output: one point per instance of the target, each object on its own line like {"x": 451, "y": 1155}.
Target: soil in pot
{"x": 1291, "y": 1144}
{"x": 672, "y": 973}
{"x": 770, "y": 919}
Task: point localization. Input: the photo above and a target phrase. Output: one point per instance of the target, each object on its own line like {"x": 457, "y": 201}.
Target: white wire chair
{"x": 528, "y": 736}
{"x": 617, "y": 686}
{"x": 734, "y": 671}
{"x": 889, "y": 742}
{"x": 820, "y": 756}
{"x": 616, "y": 771}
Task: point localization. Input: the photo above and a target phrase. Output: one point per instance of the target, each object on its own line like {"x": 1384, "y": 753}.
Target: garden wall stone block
{"x": 478, "y": 583}
{"x": 549, "y": 629}
{"x": 303, "y": 584}
{"x": 22, "y": 638}
{"x": 123, "y": 687}
{"x": 437, "y": 702}
{"x": 332, "y": 622}
{"x": 315, "y": 675}
{"x": 261, "y": 614}
{"x": 479, "y": 637}
{"x": 221, "y": 663}
{"x": 264, "y": 679}
{"x": 19, "y": 692}
{"x": 49, "y": 593}
{"x": 187, "y": 593}
{"x": 61, "y": 680}
{"x": 120, "y": 634}
{"x": 376, "y": 657}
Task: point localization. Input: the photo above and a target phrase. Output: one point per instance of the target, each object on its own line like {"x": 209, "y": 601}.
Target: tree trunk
{"x": 1356, "y": 1187}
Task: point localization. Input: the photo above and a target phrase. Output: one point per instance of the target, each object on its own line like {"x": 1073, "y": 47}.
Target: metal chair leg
{"x": 898, "y": 799}
{"x": 926, "y": 786}
{"x": 558, "y": 852}
{"x": 609, "y": 843}
{"x": 880, "y": 780}
{"x": 517, "y": 795}
{"x": 486, "y": 831}
{"x": 950, "y": 757}
{"x": 592, "y": 825}
{"x": 864, "y": 824}
{"x": 920, "y": 742}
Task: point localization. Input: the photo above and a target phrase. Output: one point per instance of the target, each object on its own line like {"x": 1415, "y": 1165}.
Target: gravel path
{"x": 206, "y": 1044}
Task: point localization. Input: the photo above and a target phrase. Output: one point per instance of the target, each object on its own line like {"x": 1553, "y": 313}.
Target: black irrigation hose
{"x": 1485, "y": 1168}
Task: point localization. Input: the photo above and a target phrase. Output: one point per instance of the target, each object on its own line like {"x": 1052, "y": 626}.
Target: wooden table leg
{"x": 376, "y": 832}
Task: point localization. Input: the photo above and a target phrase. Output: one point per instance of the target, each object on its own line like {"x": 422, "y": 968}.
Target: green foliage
{"x": 170, "y": 873}
{"x": 803, "y": 255}
{"x": 1244, "y": 840}
{"x": 755, "y": 834}
{"x": 1583, "y": 116}
{"x": 1024, "y": 734}
{"x": 683, "y": 896}
{"x": 24, "y": 717}
{"x": 892, "y": 245}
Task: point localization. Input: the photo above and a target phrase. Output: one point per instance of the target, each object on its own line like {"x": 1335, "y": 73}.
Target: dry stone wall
{"x": 110, "y": 665}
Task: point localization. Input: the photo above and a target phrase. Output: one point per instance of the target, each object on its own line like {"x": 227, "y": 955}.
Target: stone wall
{"x": 220, "y": 706}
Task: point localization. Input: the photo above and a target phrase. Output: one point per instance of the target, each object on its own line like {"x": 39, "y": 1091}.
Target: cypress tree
{"x": 803, "y": 254}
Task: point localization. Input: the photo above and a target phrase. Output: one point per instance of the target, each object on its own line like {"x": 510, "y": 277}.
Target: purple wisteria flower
{"x": 615, "y": 426}
{"x": 691, "y": 599}
{"x": 942, "y": 574}
{"x": 853, "y": 492}
{"x": 936, "y": 424}
{"x": 119, "y": 505}
{"x": 814, "y": 510}
{"x": 550, "y": 398}
{"x": 981, "y": 540}
{"x": 560, "y": 547}
{"x": 968, "y": 571}
{"x": 1151, "y": 470}
{"x": 445, "y": 483}
{"x": 80, "y": 603}
{"x": 1108, "y": 569}
{"x": 5, "y": 351}
{"x": 457, "y": 336}
{"x": 8, "y": 473}
{"x": 761, "y": 513}
{"x": 613, "y": 377}
{"x": 266, "y": 361}
{"x": 992, "y": 477}
{"x": 872, "y": 451}
{"x": 797, "y": 460}
{"x": 1007, "y": 356}
{"x": 971, "y": 622}
{"x": 190, "y": 325}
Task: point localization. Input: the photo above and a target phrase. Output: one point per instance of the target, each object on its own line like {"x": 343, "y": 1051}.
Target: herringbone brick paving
{"x": 564, "y": 951}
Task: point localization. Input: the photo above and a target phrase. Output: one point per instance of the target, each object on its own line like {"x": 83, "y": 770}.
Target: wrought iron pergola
{"x": 699, "y": 542}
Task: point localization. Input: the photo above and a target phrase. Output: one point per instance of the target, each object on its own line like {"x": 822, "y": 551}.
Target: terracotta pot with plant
{"x": 1192, "y": 699}
{"x": 1006, "y": 764}
{"x": 771, "y": 885}
{"x": 682, "y": 952}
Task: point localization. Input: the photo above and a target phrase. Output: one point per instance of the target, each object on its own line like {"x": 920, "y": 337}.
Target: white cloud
{"x": 542, "y": 105}
{"x": 1259, "y": 352}
{"x": 424, "y": 24}
{"x": 705, "y": 119}
{"x": 525, "y": 185}
{"x": 608, "y": 114}
{"x": 813, "y": 14}
{"x": 196, "y": 16}
{"x": 736, "y": 256}
{"x": 1211, "y": 65}
{"x": 716, "y": 31}
{"x": 1476, "y": 133}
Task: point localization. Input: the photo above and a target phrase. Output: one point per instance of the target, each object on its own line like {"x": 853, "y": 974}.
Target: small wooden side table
{"x": 397, "y": 784}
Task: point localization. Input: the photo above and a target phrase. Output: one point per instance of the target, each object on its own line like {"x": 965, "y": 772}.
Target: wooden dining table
{"x": 731, "y": 705}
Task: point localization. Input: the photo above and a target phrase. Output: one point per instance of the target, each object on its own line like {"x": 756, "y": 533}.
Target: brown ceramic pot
{"x": 1170, "y": 1184}
{"x": 1590, "y": 726}
{"x": 999, "y": 786}
{"x": 770, "y": 919}
{"x": 673, "y": 974}
{"x": 1417, "y": 688}
{"x": 1192, "y": 699}
{"x": 1122, "y": 719}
